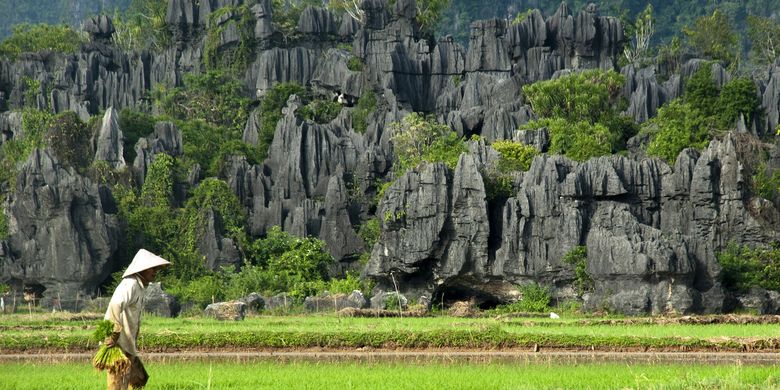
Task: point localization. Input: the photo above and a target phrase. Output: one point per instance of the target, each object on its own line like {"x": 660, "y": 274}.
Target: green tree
{"x": 152, "y": 222}
{"x": 514, "y": 155}
{"x": 237, "y": 57}
{"x": 429, "y": 13}
{"x": 143, "y": 26}
{"x": 712, "y": 36}
{"x": 214, "y": 97}
{"x": 744, "y": 267}
{"x": 13, "y": 152}
{"x": 135, "y": 125}
{"x": 677, "y": 126}
{"x": 639, "y": 46}
{"x": 579, "y": 111}
{"x": 419, "y": 138}
{"x": 583, "y": 96}
{"x": 701, "y": 92}
{"x": 738, "y": 97}
{"x": 366, "y": 104}
{"x": 37, "y": 37}
{"x": 764, "y": 36}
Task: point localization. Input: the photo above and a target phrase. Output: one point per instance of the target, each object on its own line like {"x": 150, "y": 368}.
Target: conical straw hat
{"x": 144, "y": 260}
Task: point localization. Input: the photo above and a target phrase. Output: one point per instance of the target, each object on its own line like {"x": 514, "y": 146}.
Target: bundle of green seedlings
{"x": 110, "y": 358}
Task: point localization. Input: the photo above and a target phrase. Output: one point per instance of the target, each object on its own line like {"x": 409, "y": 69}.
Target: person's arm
{"x": 115, "y": 312}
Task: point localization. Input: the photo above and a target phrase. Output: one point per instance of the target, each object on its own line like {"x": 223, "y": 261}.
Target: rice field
{"x": 71, "y": 332}
{"x": 357, "y": 375}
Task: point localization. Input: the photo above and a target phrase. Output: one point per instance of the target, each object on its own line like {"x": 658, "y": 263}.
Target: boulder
{"x": 158, "y": 302}
{"x": 226, "y": 311}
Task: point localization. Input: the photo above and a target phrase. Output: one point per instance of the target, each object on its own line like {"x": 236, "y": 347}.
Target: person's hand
{"x": 110, "y": 341}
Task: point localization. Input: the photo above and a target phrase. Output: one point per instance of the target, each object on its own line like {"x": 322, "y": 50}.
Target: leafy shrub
{"x": 355, "y": 64}
{"x": 583, "y": 96}
{"x": 498, "y": 185}
{"x": 16, "y": 150}
{"x": 737, "y": 97}
{"x": 580, "y": 111}
{"x": 36, "y": 37}
{"x": 298, "y": 270}
{"x": 286, "y": 14}
{"x": 69, "y": 138}
{"x": 250, "y": 279}
{"x": 213, "y": 97}
{"x": 142, "y": 26}
{"x": 578, "y": 257}
{"x": 579, "y": 141}
{"x": 744, "y": 267}
{"x": 366, "y": 104}
{"x": 135, "y": 125}
{"x": 3, "y": 225}
{"x": 764, "y": 185}
{"x": 535, "y": 299}
{"x": 393, "y": 302}
{"x": 514, "y": 155}
{"x": 201, "y": 291}
{"x": 345, "y": 285}
{"x": 417, "y": 138}
{"x": 701, "y": 92}
{"x": 320, "y": 111}
{"x": 369, "y": 231}
{"x": 677, "y": 126}
{"x": 152, "y": 222}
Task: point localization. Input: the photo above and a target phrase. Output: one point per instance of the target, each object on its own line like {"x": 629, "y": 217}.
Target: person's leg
{"x": 117, "y": 382}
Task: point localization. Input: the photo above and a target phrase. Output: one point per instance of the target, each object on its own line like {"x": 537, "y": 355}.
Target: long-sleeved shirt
{"x": 124, "y": 310}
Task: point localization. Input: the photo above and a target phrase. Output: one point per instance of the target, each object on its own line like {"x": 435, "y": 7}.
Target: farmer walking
{"x": 124, "y": 311}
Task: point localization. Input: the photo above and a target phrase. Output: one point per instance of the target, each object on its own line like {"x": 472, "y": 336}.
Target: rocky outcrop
{"x": 160, "y": 303}
{"x": 331, "y": 303}
{"x": 63, "y": 231}
{"x": 651, "y": 230}
{"x": 110, "y": 141}
{"x": 648, "y": 250}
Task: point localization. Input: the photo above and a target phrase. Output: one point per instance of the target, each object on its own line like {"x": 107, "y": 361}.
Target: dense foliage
{"x": 211, "y": 110}
{"x": 15, "y": 151}
{"x": 580, "y": 112}
{"x": 418, "y": 138}
{"x": 142, "y": 26}
{"x": 37, "y": 37}
{"x": 745, "y": 267}
{"x": 69, "y": 139}
{"x": 366, "y": 104}
{"x": 271, "y": 112}
{"x": 237, "y": 57}
{"x": 702, "y": 111}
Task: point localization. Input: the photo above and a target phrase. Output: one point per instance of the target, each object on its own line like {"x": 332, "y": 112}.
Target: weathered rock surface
{"x": 160, "y": 303}
{"x": 332, "y": 303}
{"x": 63, "y": 231}
{"x": 651, "y": 230}
{"x": 226, "y": 311}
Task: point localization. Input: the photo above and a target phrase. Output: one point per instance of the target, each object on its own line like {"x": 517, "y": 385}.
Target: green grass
{"x": 70, "y": 333}
{"x": 313, "y": 375}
